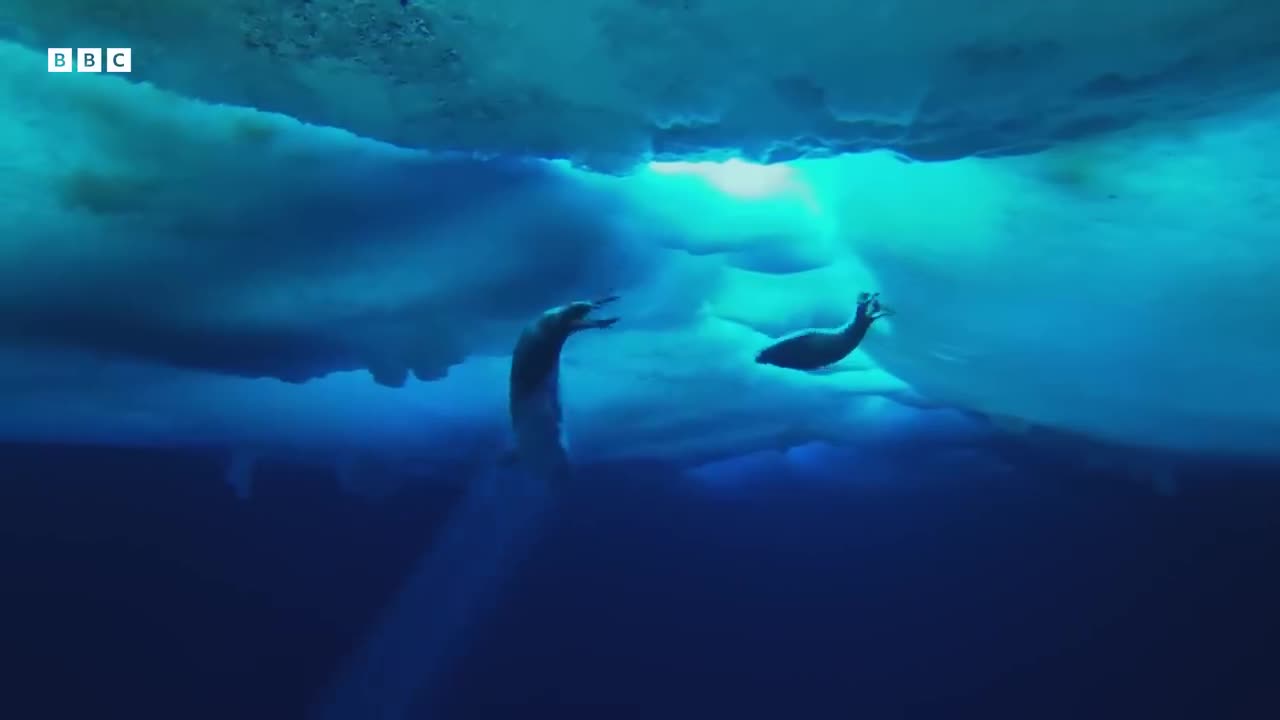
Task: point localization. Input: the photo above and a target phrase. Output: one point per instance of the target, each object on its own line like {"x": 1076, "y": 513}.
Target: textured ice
{"x": 611, "y": 82}
{"x": 1120, "y": 288}
{"x": 227, "y": 239}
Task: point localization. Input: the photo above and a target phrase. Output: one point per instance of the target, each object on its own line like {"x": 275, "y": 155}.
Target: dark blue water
{"x": 136, "y": 585}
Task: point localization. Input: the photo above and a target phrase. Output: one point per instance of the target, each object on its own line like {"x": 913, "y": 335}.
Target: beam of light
{"x": 404, "y": 660}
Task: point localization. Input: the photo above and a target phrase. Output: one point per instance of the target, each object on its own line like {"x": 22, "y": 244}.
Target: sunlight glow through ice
{"x": 735, "y": 177}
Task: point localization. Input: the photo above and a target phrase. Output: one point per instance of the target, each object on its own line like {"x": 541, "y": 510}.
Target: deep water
{"x": 137, "y": 585}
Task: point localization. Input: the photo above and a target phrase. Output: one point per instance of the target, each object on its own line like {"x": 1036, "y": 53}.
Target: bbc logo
{"x": 117, "y": 60}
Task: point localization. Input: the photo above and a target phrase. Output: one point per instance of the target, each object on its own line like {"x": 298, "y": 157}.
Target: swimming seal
{"x": 534, "y": 387}
{"x": 814, "y": 349}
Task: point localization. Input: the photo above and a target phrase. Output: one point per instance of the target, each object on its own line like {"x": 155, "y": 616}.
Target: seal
{"x": 534, "y": 388}
{"x": 817, "y": 348}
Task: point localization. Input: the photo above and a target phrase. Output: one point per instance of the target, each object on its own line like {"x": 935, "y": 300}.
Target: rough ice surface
{"x": 177, "y": 273}
{"x": 612, "y": 82}
{"x": 234, "y": 240}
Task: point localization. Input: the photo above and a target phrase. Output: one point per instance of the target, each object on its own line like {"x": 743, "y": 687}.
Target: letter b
{"x": 89, "y": 59}
{"x": 59, "y": 59}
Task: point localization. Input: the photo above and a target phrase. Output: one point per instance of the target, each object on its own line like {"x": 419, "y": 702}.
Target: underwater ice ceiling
{"x": 177, "y": 271}
{"x": 609, "y": 82}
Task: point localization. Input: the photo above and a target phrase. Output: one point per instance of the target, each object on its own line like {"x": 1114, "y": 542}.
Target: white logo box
{"x": 117, "y": 60}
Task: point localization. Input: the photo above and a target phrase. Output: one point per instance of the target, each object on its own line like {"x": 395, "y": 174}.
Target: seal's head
{"x": 535, "y": 359}
{"x": 576, "y": 316}
{"x": 870, "y": 307}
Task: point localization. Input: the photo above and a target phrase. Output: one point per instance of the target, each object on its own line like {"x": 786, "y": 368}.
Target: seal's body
{"x": 534, "y": 389}
{"x": 815, "y": 349}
